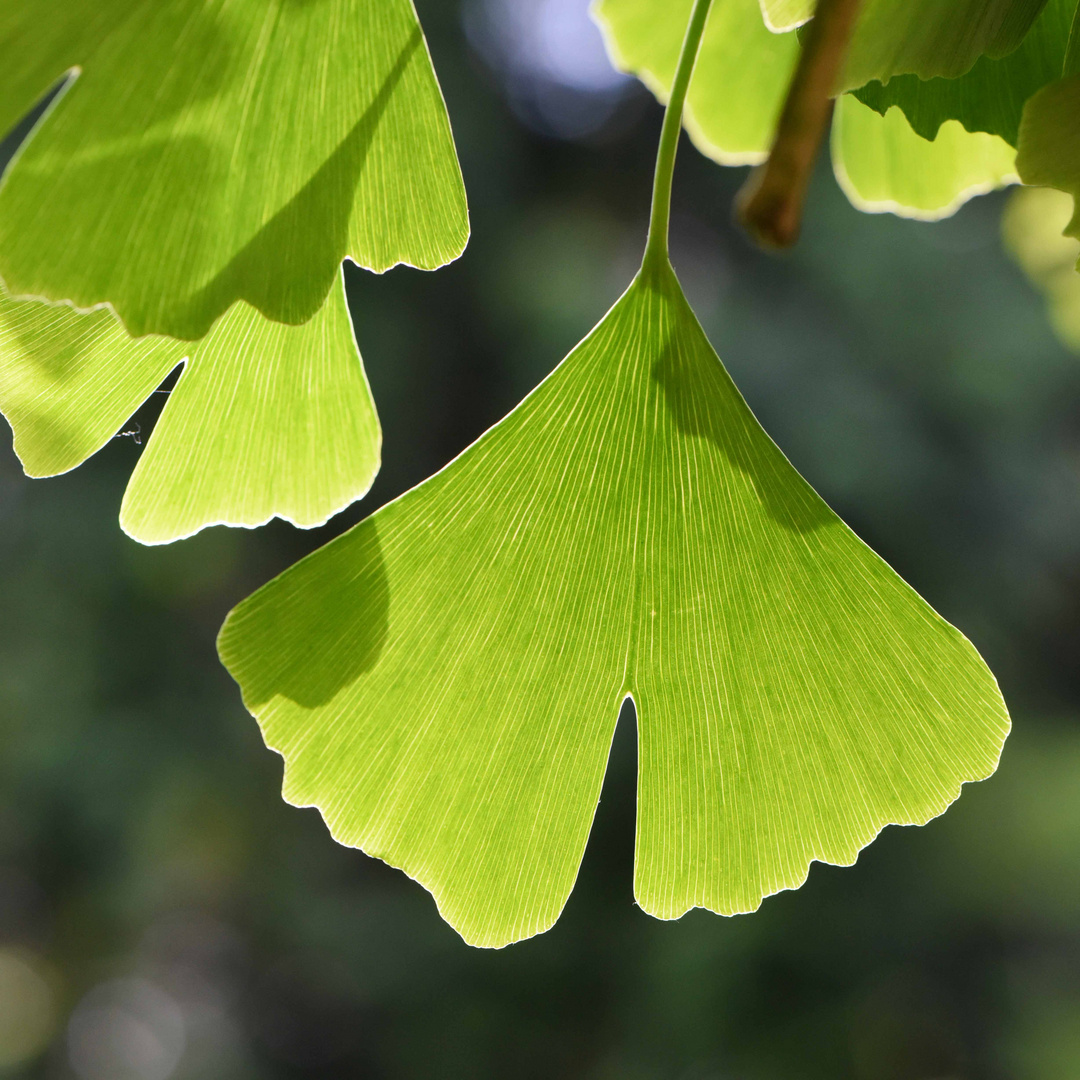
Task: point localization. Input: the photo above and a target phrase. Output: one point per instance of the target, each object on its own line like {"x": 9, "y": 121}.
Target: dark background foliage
{"x": 164, "y": 914}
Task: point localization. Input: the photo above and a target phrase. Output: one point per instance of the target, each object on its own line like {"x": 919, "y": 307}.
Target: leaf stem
{"x": 770, "y": 204}
{"x": 656, "y": 248}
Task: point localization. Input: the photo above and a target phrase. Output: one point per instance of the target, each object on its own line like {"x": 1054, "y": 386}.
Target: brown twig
{"x": 770, "y": 204}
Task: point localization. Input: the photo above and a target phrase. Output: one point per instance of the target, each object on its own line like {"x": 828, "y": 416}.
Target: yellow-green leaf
{"x": 883, "y": 165}
{"x": 741, "y": 64}
{"x": 210, "y": 151}
{"x": 991, "y": 96}
{"x": 266, "y": 420}
{"x": 443, "y": 681}
{"x": 738, "y": 89}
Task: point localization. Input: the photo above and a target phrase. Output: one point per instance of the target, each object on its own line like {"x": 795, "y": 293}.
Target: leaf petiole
{"x": 770, "y": 204}
{"x": 656, "y": 248}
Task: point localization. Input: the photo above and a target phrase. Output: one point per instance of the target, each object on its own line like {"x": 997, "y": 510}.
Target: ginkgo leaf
{"x": 266, "y": 420}
{"x": 216, "y": 151}
{"x": 991, "y": 96}
{"x": 68, "y": 381}
{"x": 927, "y": 38}
{"x": 737, "y": 91}
{"x": 883, "y": 165}
{"x": 443, "y": 681}
{"x": 1032, "y": 227}
{"x": 740, "y": 64}
{"x": 1048, "y": 153}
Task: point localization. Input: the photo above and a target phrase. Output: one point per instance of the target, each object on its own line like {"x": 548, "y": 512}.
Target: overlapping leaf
{"x": 882, "y": 164}
{"x": 443, "y": 681}
{"x": 738, "y": 89}
{"x": 933, "y": 38}
{"x": 217, "y": 151}
{"x": 991, "y": 96}
{"x": 741, "y": 64}
{"x": 266, "y": 419}
{"x": 927, "y": 38}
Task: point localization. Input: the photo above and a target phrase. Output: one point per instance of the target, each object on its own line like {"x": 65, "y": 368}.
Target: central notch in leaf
{"x": 444, "y": 680}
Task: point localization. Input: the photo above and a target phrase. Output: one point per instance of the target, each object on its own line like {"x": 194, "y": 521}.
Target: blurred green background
{"x": 164, "y": 914}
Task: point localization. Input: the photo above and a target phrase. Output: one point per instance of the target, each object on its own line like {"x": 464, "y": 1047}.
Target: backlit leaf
{"x": 740, "y": 64}
{"x": 923, "y": 37}
{"x": 217, "y": 151}
{"x": 443, "y": 680}
{"x": 932, "y": 38}
{"x": 737, "y": 91}
{"x": 991, "y": 96}
{"x": 266, "y": 420}
{"x": 883, "y": 165}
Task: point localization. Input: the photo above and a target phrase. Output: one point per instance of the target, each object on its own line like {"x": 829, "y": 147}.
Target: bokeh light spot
{"x": 550, "y": 57}
{"x": 127, "y": 1029}
{"x": 27, "y": 1009}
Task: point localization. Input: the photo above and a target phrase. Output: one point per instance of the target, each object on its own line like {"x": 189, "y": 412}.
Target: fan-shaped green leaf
{"x": 741, "y": 64}
{"x": 883, "y": 165}
{"x": 991, "y": 96}
{"x": 69, "y": 380}
{"x": 443, "y": 681}
{"x": 215, "y": 151}
{"x": 1048, "y": 153}
{"x": 266, "y": 420}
